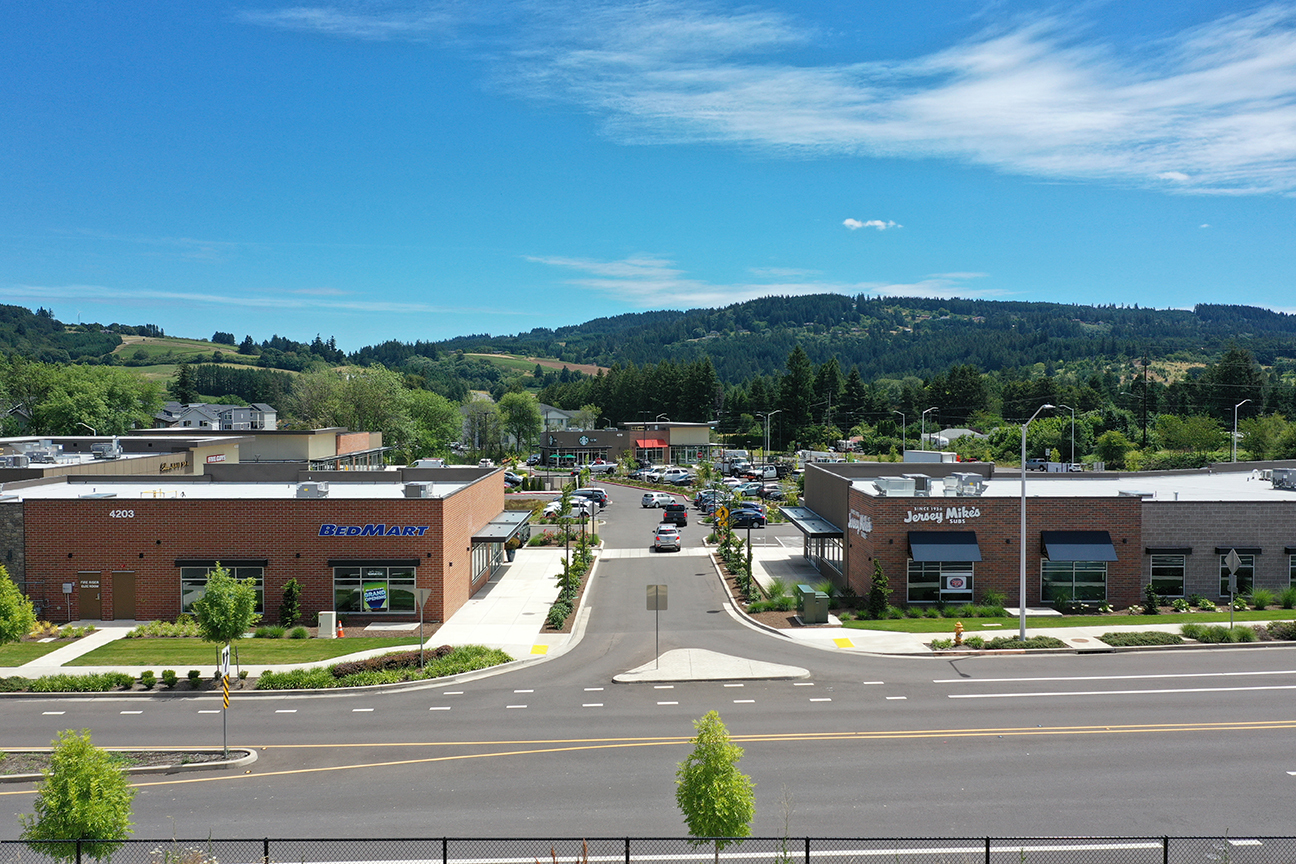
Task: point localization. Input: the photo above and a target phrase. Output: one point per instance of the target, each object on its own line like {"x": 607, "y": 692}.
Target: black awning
{"x": 1167, "y": 550}
{"x": 1241, "y": 550}
{"x": 503, "y": 526}
{"x": 1078, "y": 545}
{"x": 944, "y": 546}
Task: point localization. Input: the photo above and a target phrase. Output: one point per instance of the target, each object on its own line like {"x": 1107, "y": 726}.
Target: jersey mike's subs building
{"x": 359, "y": 543}
{"x": 952, "y": 532}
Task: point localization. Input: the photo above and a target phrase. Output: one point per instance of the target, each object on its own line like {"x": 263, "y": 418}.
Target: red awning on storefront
{"x": 646, "y": 443}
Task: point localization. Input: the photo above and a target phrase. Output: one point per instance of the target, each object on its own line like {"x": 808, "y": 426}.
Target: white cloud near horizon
{"x": 650, "y": 281}
{"x": 1209, "y": 109}
{"x": 855, "y": 224}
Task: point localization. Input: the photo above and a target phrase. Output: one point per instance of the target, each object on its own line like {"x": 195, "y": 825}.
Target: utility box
{"x": 328, "y": 625}
{"x": 812, "y": 605}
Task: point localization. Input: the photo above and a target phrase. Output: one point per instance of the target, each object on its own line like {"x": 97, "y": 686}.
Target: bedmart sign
{"x": 941, "y": 515}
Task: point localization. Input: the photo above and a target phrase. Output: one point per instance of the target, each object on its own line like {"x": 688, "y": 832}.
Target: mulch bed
{"x": 35, "y": 763}
{"x": 777, "y": 620}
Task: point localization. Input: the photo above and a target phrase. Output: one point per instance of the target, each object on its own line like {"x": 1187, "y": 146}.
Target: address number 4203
{"x": 122, "y": 514}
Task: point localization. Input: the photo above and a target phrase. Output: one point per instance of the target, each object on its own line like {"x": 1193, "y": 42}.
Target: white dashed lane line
{"x": 285, "y": 710}
{"x": 132, "y": 712}
{"x": 895, "y": 698}
{"x": 802, "y": 683}
{"x": 872, "y": 683}
{"x": 821, "y": 699}
{"x": 209, "y": 711}
{"x": 523, "y": 691}
{"x": 663, "y": 686}
{"x": 733, "y": 685}
{"x": 667, "y": 703}
{"x": 514, "y": 706}
{"x": 54, "y": 713}
{"x": 593, "y": 689}
{"x": 439, "y": 708}
{"x": 592, "y": 705}
{"x": 453, "y": 693}
{"x": 361, "y": 710}
{"x": 744, "y": 701}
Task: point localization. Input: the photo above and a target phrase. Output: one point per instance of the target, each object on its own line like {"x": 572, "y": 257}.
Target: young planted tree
{"x": 17, "y": 615}
{"x": 879, "y": 591}
{"x": 227, "y": 608}
{"x": 290, "y": 608}
{"x": 83, "y": 796}
{"x": 717, "y": 800}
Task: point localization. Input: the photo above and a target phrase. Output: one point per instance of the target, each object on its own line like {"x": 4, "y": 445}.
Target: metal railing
{"x": 673, "y": 850}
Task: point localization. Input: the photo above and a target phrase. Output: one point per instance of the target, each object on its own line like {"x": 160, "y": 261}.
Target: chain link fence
{"x": 666, "y": 850}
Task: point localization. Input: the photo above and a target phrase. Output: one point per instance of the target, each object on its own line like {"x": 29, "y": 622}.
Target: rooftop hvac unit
{"x": 1284, "y": 478}
{"x": 894, "y": 486}
{"x": 1134, "y": 493}
{"x": 18, "y": 460}
{"x": 921, "y": 484}
{"x": 968, "y": 484}
{"x": 419, "y": 490}
{"x": 108, "y": 450}
{"x": 98, "y": 495}
{"x": 312, "y": 490}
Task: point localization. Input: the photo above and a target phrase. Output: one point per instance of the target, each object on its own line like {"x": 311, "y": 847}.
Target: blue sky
{"x": 411, "y": 170}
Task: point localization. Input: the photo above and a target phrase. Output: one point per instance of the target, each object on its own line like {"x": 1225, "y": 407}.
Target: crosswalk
{"x": 696, "y": 552}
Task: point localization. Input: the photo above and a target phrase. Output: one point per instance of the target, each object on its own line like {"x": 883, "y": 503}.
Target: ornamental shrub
{"x": 147, "y": 679}
{"x": 169, "y": 678}
{"x": 1146, "y": 637}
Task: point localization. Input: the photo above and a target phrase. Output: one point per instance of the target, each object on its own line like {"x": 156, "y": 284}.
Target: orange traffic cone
{"x": 340, "y": 634}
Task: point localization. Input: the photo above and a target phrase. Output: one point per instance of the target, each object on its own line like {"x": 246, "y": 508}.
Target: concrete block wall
{"x": 12, "y": 546}
{"x": 1205, "y": 525}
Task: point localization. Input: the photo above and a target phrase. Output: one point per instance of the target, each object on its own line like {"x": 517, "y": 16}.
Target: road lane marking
{"x": 744, "y": 701}
{"x": 523, "y": 691}
{"x": 873, "y": 682}
{"x": 733, "y": 685}
{"x": 209, "y": 711}
{"x": 821, "y": 699}
{"x": 452, "y": 693}
{"x": 1110, "y": 677}
{"x": 55, "y": 713}
{"x": 285, "y": 710}
{"x": 592, "y": 705}
{"x": 361, "y": 710}
{"x": 514, "y": 706}
{"x": 663, "y": 686}
{"x": 439, "y": 708}
{"x": 895, "y": 698}
{"x": 593, "y": 689}
{"x": 667, "y": 703}
{"x": 1115, "y": 692}
{"x": 802, "y": 683}
{"x": 132, "y": 712}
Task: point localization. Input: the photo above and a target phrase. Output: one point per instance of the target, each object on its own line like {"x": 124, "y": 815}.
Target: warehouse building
{"x": 952, "y": 532}
{"x": 358, "y": 542}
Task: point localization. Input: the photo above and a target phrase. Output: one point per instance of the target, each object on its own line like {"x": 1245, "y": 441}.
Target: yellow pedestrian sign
{"x": 722, "y": 516}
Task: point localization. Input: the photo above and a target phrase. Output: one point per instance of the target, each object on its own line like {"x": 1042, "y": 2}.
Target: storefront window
{"x": 930, "y": 581}
{"x": 1073, "y": 580}
{"x": 374, "y": 589}
{"x": 193, "y": 584}
{"x": 1291, "y": 570}
{"x": 1168, "y": 575}
{"x": 1245, "y": 575}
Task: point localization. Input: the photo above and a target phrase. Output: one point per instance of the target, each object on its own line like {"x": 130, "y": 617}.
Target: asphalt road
{"x": 1149, "y": 743}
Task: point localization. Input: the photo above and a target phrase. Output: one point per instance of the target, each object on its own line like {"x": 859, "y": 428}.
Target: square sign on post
{"x": 656, "y": 598}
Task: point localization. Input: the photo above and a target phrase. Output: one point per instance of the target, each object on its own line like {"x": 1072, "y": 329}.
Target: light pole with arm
{"x": 767, "y": 431}
{"x": 923, "y": 435}
{"x": 1071, "y": 458}
{"x": 1021, "y": 595}
{"x": 904, "y": 432}
{"x": 1235, "y": 407}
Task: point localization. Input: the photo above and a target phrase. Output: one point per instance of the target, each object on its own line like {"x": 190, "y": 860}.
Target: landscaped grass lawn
{"x": 18, "y": 653}
{"x": 191, "y": 652}
{"x": 946, "y": 625}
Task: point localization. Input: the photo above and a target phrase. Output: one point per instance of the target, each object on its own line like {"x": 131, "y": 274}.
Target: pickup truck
{"x": 676, "y": 514}
{"x": 602, "y": 467}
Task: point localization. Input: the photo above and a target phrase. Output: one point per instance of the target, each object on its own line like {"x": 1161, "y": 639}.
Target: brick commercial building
{"x": 952, "y": 532}
{"x": 358, "y": 542}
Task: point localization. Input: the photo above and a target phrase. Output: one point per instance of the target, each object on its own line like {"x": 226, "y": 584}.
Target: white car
{"x": 666, "y": 537}
{"x": 579, "y": 507}
{"x": 656, "y": 499}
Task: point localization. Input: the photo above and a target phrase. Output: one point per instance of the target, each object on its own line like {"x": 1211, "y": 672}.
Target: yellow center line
{"x": 538, "y": 747}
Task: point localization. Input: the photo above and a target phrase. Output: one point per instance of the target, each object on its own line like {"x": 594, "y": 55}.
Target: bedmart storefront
{"x": 1098, "y": 537}
{"x": 144, "y": 550}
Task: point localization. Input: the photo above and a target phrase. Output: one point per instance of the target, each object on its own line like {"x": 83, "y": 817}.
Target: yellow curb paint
{"x": 843, "y": 643}
{"x": 539, "y": 649}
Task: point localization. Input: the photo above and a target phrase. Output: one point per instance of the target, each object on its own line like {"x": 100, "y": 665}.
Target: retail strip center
{"x": 952, "y": 531}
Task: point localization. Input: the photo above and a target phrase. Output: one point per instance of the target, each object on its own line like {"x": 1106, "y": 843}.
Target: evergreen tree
{"x": 796, "y": 390}
{"x": 183, "y": 388}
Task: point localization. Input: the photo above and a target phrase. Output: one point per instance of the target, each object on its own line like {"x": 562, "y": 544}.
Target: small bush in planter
{"x": 1287, "y": 597}
{"x": 299, "y": 633}
{"x": 169, "y": 678}
{"x": 147, "y": 679}
{"x": 1262, "y": 598}
{"x": 194, "y": 678}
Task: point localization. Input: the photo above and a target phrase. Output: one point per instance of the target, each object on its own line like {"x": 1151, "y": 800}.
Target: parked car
{"x": 748, "y": 505}
{"x": 579, "y": 507}
{"x": 752, "y": 488}
{"x": 594, "y": 494}
{"x": 512, "y": 480}
{"x": 676, "y": 514}
{"x": 685, "y": 479}
{"x": 772, "y": 492}
{"x": 656, "y": 499}
{"x": 746, "y": 519}
{"x": 666, "y": 537}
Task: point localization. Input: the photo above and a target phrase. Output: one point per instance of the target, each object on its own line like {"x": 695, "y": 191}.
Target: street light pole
{"x": 1235, "y": 407}
{"x": 1072, "y": 410}
{"x": 904, "y": 432}
{"x": 767, "y": 432}
{"x": 1021, "y": 590}
{"x": 923, "y": 435}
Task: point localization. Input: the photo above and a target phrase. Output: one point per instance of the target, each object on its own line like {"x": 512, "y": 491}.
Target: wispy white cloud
{"x": 780, "y": 272}
{"x": 649, "y": 281}
{"x": 879, "y": 224}
{"x": 301, "y": 299}
{"x": 1209, "y": 109}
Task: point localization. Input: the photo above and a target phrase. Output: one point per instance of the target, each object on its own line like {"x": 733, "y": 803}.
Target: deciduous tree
{"x": 717, "y": 800}
{"x": 17, "y": 615}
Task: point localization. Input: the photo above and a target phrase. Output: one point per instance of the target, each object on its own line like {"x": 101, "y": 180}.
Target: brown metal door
{"x": 89, "y": 594}
{"x": 123, "y": 598}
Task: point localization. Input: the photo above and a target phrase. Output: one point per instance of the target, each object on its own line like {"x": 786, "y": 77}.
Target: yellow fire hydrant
{"x": 958, "y": 632}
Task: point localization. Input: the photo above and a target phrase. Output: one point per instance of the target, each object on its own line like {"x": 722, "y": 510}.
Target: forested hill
{"x": 896, "y": 336}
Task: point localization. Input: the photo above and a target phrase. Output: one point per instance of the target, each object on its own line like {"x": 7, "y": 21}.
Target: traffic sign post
{"x": 225, "y": 661}
{"x": 1232, "y": 561}
{"x": 421, "y": 596}
{"x": 656, "y": 603}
